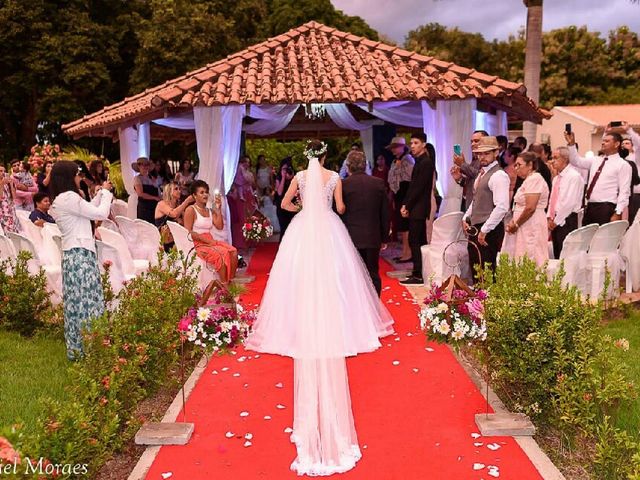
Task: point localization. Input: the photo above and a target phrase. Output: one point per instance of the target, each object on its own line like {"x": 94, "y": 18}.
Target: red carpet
{"x": 414, "y": 420}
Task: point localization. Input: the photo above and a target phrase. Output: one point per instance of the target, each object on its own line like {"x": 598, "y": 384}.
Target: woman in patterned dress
{"x": 8, "y": 218}
{"x": 81, "y": 284}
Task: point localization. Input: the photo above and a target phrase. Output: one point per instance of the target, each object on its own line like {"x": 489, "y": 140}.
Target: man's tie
{"x": 477, "y": 182}
{"x": 595, "y": 178}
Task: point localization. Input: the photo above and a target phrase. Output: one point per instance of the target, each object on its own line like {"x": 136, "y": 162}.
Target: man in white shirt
{"x": 567, "y": 192}
{"x": 633, "y": 145}
{"x": 609, "y": 185}
{"x": 482, "y": 222}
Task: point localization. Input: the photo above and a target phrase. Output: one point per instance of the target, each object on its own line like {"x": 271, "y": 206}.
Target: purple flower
{"x": 476, "y": 309}
{"x": 481, "y": 294}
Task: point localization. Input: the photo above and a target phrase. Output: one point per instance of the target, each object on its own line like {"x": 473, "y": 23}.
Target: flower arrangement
{"x": 310, "y": 152}
{"x": 456, "y": 320}
{"x": 216, "y": 327}
{"x": 43, "y": 153}
{"x": 256, "y": 228}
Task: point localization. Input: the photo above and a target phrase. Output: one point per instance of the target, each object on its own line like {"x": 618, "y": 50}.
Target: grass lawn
{"x": 31, "y": 369}
{"x": 629, "y": 328}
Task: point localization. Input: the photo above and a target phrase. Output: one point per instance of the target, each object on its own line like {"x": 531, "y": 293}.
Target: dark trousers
{"x": 488, "y": 253}
{"x": 371, "y": 259}
{"x": 558, "y": 234}
{"x": 417, "y": 238}
{"x": 634, "y": 206}
{"x": 598, "y": 212}
{"x": 284, "y": 219}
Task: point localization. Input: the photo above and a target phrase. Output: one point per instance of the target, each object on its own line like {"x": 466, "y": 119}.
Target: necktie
{"x": 553, "y": 199}
{"x": 477, "y": 182}
{"x": 595, "y": 178}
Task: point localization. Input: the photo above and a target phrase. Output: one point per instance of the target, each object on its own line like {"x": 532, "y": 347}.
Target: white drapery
{"x": 451, "y": 122}
{"x": 135, "y": 142}
{"x": 492, "y": 124}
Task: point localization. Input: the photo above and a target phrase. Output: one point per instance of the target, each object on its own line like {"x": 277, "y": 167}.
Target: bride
{"x": 319, "y": 306}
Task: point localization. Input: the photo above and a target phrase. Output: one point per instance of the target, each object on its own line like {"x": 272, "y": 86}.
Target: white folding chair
{"x": 148, "y": 242}
{"x": 52, "y": 254}
{"x": 23, "y": 216}
{"x": 630, "y": 252}
{"x": 108, "y": 253}
{"x": 574, "y": 250}
{"x": 603, "y": 253}
{"x": 30, "y": 230}
{"x": 53, "y": 272}
{"x": 130, "y": 266}
{"x": 446, "y": 229}
{"x": 119, "y": 208}
{"x": 7, "y": 250}
{"x": 111, "y": 225}
{"x": 184, "y": 244}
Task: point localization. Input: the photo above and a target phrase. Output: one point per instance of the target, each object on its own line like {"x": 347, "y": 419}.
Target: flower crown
{"x": 315, "y": 153}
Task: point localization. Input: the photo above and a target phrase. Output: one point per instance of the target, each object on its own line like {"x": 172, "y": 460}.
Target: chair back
{"x": 607, "y": 239}
{"x": 119, "y": 208}
{"x": 50, "y": 254}
{"x": 7, "y": 250}
{"x": 30, "y": 229}
{"x": 108, "y": 253}
{"x": 128, "y": 229}
{"x": 578, "y": 241}
{"x": 110, "y": 224}
{"x": 446, "y": 229}
{"x": 117, "y": 241}
{"x": 149, "y": 241}
{"x": 181, "y": 238}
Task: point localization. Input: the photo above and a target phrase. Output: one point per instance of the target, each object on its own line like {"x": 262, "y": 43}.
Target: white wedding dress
{"x": 319, "y": 307}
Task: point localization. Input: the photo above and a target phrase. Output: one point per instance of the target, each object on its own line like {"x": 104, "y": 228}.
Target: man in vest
{"x": 482, "y": 222}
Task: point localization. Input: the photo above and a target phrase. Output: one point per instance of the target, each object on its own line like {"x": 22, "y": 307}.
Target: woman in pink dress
{"x": 527, "y": 231}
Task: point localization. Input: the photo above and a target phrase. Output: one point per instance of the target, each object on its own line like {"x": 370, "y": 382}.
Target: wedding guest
{"x": 40, "y": 214}
{"x": 609, "y": 186}
{"x": 269, "y": 209}
{"x": 399, "y": 180}
{"x": 98, "y": 172}
{"x": 344, "y": 171}
{"x": 154, "y": 174}
{"x": 200, "y": 221}
{"x": 482, "y": 222}
{"x": 242, "y": 201}
{"x": 147, "y": 191}
{"x": 632, "y": 144}
{"x": 367, "y": 213}
{"x": 264, "y": 175}
{"x": 81, "y": 282}
{"x": 8, "y": 217}
{"x": 520, "y": 142}
{"x": 283, "y": 181}
{"x": 507, "y": 164}
{"x": 504, "y": 144}
{"x": 185, "y": 177}
{"x": 170, "y": 209}
{"x": 86, "y": 180}
{"x": 417, "y": 204}
{"x": 526, "y": 233}
{"x": 44, "y": 177}
{"x": 542, "y": 167}
{"x": 24, "y": 185}
{"x": 565, "y": 202}
{"x": 465, "y": 173}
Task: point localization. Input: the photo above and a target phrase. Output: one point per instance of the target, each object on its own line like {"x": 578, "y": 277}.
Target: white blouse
{"x": 73, "y": 216}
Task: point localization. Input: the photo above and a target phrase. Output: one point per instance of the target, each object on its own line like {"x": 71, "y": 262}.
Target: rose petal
{"x": 166, "y": 475}
{"x": 477, "y": 444}
{"x": 256, "y": 356}
{"x": 493, "y": 446}
{"x": 247, "y": 443}
{"x": 236, "y": 374}
{"x": 233, "y": 352}
{"x": 244, "y": 414}
{"x": 242, "y": 359}
{"x": 280, "y": 406}
{"x": 288, "y": 430}
{"x": 245, "y": 385}
{"x": 493, "y": 472}
{"x": 248, "y": 436}
{"x": 415, "y": 370}
{"x": 478, "y": 466}
{"x": 267, "y": 417}
{"x": 409, "y": 334}
{"x": 229, "y": 434}
{"x": 475, "y": 435}
{"x": 429, "y": 349}
{"x": 395, "y": 362}
{"x": 215, "y": 372}
{"x": 279, "y": 385}
{"x": 224, "y": 369}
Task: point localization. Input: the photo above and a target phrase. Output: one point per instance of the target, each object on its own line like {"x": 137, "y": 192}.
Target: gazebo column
{"x": 218, "y": 131}
{"x": 135, "y": 142}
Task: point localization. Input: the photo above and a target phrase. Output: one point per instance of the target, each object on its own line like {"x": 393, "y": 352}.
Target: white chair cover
{"x": 149, "y": 242}
{"x": 130, "y": 266}
{"x": 135, "y": 237}
{"x": 117, "y": 276}
{"x": 184, "y": 244}
{"x": 53, "y": 272}
{"x": 630, "y": 252}
{"x": 603, "y": 253}
{"x": 32, "y": 232}
{"x": 51, "y": 255}
{"x": 119, "y": 208}
{"x": 435, "y": 268}
{"x": 7, "y": 249}
{"x": 573, "y": 255}
{"x": 111, "y": 225}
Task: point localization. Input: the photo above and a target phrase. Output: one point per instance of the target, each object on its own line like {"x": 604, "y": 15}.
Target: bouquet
{"x": 219, "y": 325}
{"x": 256, "y": 228}
{"x": 42, "y": 153}
{"x": 454, "y": 321}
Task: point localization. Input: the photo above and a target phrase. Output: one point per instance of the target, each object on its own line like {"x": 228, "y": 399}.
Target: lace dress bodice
{"x": 329, "y": 186}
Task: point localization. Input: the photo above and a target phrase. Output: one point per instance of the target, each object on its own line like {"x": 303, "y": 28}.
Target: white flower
{"x": 203, "y": 314}
{"x": 192, "y": 335}
{"x": 457, "y": 334}
{"x": 444, "y": 328}
{"x": 198, "y": 342}
{"x": 225, "y": 327}
{"x": 442, "y": 308}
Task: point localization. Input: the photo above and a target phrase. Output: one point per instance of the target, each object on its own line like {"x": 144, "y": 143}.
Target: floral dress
{"x": 8, "y": 217}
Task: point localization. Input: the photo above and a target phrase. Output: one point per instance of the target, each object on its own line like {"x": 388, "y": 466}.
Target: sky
{"x": 492, "y": 18}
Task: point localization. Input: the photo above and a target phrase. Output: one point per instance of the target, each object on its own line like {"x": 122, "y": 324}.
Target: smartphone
{"x": 457, "y": 149}
{"x": 616, "y": 124}
{"x": 567, "y": 127}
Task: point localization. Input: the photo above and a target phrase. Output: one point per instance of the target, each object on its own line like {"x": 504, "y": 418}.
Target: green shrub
{"x": 24, "y": 297}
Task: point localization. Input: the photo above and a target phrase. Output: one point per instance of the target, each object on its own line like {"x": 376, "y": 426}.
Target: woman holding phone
{"x": 200, "y": 221}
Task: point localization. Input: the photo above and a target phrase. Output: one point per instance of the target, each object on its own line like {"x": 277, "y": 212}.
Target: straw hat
{"x": 487, "y": 144}
{"x": 397, "y": 142}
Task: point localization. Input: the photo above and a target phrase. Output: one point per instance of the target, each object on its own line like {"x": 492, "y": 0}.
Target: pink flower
{"x": 481, "y": 294}
{"x": 184, "y": 324}
{"x": 476, "y": 308}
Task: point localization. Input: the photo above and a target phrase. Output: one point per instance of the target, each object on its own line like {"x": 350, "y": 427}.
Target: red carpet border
{"x": 413, "y": 405}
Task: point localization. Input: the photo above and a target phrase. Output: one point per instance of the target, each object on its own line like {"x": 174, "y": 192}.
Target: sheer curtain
{"x": 135, "y": 142}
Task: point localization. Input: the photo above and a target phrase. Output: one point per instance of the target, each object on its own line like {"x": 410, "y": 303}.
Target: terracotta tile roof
{"x": 313, "y": 64}
{"x": 600, "y": 115}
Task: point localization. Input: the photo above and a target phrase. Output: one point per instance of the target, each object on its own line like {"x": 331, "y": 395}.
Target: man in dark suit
{"x": 367, "y": 213}
{"x": 417, "y": 204}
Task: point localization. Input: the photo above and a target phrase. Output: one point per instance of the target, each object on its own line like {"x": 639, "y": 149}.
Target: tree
{"x": 532, "y": 59}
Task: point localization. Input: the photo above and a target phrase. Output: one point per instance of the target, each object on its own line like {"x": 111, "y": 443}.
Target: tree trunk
{"x": 28, "y": 128}
{"x": 532, "y": 60}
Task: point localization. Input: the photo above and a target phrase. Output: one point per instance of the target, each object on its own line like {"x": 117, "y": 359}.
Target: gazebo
{"x": 312, "y": 81}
